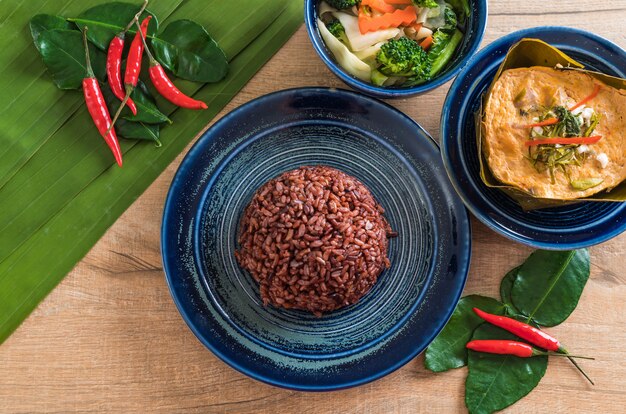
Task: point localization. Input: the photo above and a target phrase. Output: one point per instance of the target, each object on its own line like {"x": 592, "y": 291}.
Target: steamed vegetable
{"x": 442, "y": 49}
{"x": 400, "y": 17}
{"x": 343, "y": 4}
{"x": 426, "y": 3}
{"x": 336, "y": 29}
{"x": 352, "y": 64}
{"x": 360, "y": 41}
{"x": 404, "y": 57}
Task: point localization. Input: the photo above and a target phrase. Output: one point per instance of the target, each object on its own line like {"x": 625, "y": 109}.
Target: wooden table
{"x": 109, "y": 337}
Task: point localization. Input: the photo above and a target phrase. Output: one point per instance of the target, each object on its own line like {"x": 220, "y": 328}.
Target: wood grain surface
{"x": 109, "y": 338}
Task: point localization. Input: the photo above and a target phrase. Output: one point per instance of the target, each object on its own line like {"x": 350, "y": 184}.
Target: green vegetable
{"x": 108, "y": 19}
{"x": 189, "y": 52}
{"x": 505, "y": 290}
{"x": 595, "y": 119}
{"x": 43, "y": 22}
{"x": 549, "y": 284}
{"x": 462, "y": 7}
{"x": 343, "y": 4}
{"x": 586, "y": 183}
{"x": 378, "y": 78}
{"x": 63, "y": 55}
{"x": 403, "y": 57}
{"x": 571, "y": 123}
{"x": 336, "y": 29}
{"x": 147, "y": 111}
{"x": 138, "y": 130}
{"x": 443, "y": 49}
{"x": 494, "y": 381}
{"x": 448, "y": 350}
{"x": 450, "y": 19}
{"x": 426, "y": 3}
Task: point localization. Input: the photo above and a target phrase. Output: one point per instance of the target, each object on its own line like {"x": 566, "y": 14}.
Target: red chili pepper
{"x": 133, "y": 64}
{"x": 503, "y": 347}
{"x": 114, "y": 62}
{"x": 166, "y": 87}
{"x": 509, "y": 347}
{"x": 97, "y": 106}
{"x": 135, "y": 53}
{"x": 564, "y": 140}
{"x": 531, "y": 334}
{"x": 549, "y": 121}
{"x": 527, "y": 332}
{"x": 593, "y": 94}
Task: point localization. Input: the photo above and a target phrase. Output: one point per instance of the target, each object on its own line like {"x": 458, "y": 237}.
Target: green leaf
{"x": 147, "y": 111}
{"x": 448, "y": 350}
{"x": 549, "y": 285}
{"x": 188, "y": 51}
{"x": 108, "y": 19}
{"x": 138, "y": 130}
{"x": 63, "y": 54}
{"x": 43, "y": 22}
{"x": 505, "y": 290}
{"x": 496, "y": 381}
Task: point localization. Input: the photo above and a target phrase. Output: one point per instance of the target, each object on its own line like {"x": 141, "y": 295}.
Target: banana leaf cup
{"x": 530, "y": 53}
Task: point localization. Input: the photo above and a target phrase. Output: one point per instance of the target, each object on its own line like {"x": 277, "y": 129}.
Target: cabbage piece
{"x": 360, "y": 41}
{"x": 369, "y": 55}
{"x": 346, "y": 59}
{"x": 325, "y": 8}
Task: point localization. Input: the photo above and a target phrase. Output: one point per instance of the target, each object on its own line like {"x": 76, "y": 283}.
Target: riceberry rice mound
{"x": 314, "y": 239}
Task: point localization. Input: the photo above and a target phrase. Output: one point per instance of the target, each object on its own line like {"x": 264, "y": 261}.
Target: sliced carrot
{"x": 427, "y": 42}
{"x": 400, "y": 17}
{"x": 417, "y": 26}
{"x": 564, "y": 140}
{"x": 595, "y": 92}
{"x": 399, "y": 2}
{"x": 379, "y": 5}
{"x": 546, "y": 122}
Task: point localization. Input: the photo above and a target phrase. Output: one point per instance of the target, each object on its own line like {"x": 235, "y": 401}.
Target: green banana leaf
{"x": 535, "y": 52}
{"x": 59, "y": 189}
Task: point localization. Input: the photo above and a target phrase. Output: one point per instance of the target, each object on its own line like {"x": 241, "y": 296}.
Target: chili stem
{"x": 136, "y": 18}
{"x": 569, "y": 356}
{"x": 145, "y": 45}
{"x": 120, "y": 108}
{"x": 87, "y": 59}
{"x": 573, "y": 361}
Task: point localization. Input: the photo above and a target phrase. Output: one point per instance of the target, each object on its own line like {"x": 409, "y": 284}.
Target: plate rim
{"x": 463, "y": 224}
{"x": 458, "y": 83}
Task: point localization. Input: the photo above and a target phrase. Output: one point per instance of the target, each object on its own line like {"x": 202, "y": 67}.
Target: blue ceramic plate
{"x": 396, "y": 159}
{"x": 569, "y": 227}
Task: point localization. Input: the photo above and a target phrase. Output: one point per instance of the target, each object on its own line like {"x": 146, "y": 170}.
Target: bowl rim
{"x": 463, "y": 265}
{"x": 459, "y": 83}
{"x": 310, "y": 21}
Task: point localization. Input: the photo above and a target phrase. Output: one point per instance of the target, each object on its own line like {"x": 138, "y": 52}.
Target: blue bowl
{"x": 474, "y": 33}
{"x": 404, "y": 311}
{"x": 561, "y": 228}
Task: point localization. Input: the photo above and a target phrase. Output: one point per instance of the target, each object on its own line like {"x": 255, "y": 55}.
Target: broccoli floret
{"x": 343, "y": 4}
{"x": 431, "y": 4}
{"x": 336, "y": 29}
{"x": 403, "y": 57}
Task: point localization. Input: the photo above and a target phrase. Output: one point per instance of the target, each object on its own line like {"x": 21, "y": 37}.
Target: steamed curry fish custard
{"x": 555, "y": 133}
